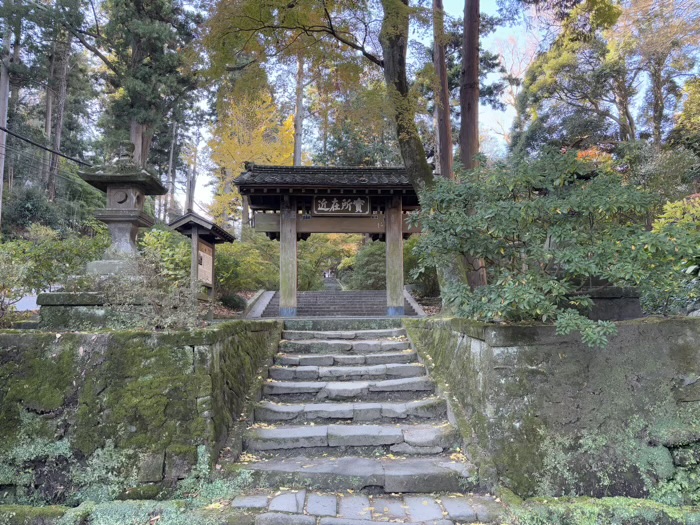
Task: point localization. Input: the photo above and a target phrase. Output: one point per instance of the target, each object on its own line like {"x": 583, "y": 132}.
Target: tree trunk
{"x": 394, "y": 40}
{"x": 469, "y": 103}
{"x": 4, "y": 100}
{"x": 63, "y": 51}
{"x": 469, "y": 87}
{"x": 443, "y": 135}
{"x": 15, "y": 85}
{"x": 141, "y": 138}
{"x": 658, "y": 103}
{"x": 192, "y": 180}
{"x": 170, "y": 182}
{"x": 299, "y": 111}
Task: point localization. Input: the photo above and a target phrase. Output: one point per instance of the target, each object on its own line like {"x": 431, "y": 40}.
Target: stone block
{"x": 388, "y": 509}
{"x": 274, "y": 518}
{"x": 405, "y": 448}
{"x": 394, "y": 410}
{"x": 287, "y": 438}
{"x": 151, "y": 467}
{"x": 363, "y": 435}
{"x": 367, "y": 411}
{"x": 322, "y": 505}
{"x": 292, "y": 502}
{"x": 355, "y": 507}
{"x": 459, "y": 508}
{"x": 328, "y": 411}
{"x": 250, "y": 502}
{"x": 422, "y": 508}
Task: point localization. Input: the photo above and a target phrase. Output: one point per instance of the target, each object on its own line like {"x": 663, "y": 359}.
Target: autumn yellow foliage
{"x": 250, "y": 129}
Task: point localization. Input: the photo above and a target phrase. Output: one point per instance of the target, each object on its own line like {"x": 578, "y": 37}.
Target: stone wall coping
{"x": 524, "y": 334}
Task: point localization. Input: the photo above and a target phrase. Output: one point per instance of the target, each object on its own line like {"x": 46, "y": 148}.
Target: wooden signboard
{"x": 205, "y": 269}
{"x": 341, "y": 206}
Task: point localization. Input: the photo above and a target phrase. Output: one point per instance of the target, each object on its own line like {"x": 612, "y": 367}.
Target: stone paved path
{"x": 292, "y": 507}
{"x": 350, "y": 419}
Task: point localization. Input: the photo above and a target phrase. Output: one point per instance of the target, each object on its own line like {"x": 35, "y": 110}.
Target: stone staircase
{"x": 336, "y": 303}
{"x": 350, "y": 419}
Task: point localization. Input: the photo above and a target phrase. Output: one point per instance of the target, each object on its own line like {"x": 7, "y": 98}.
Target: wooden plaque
{"x": 341, "y": 205}
{"x": 205, "y": 270}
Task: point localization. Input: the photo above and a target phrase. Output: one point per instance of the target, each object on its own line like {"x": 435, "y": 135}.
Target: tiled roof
{"x": 317, "y": 176}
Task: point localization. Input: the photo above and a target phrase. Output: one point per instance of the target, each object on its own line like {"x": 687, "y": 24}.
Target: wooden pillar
{"x": 288, "y": 257}
{"x": 393, "y": 218}
{"x": 194, "y": 268}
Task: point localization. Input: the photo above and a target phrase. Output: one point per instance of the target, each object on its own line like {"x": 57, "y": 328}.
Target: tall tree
{"x": 469, "y": 87}
{"x": 146, "y": 49}
{"x": 442, "y": 93}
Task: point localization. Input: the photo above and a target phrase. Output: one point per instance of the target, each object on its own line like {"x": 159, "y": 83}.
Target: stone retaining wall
{"x": 546, "y": 415}
{"x": 117, "y": 408}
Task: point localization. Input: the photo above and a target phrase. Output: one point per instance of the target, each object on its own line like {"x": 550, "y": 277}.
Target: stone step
{"x": 421, "y": 409}
{"x": 301, "y": 507}
{"x": 390, "y": 474}
{"x": 343, "y": 390}
{"x": 332, "y": 346}
{"x": 382, "y": 358}
{"x": 346, "y": 373}
{"x": 400, "y": 439}
{"x": 340, "y": 324}
{"x": 296, "y": 335}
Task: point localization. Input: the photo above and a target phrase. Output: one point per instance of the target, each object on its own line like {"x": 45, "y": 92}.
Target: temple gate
{"x": 290, "y": 203}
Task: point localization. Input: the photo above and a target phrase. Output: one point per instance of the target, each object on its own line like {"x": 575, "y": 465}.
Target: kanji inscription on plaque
{"x": 341, "y": 205}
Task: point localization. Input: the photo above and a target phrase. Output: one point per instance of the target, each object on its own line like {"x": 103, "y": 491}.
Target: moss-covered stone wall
{"x": 546, "y": 415}
{"x": 120, "y": 409}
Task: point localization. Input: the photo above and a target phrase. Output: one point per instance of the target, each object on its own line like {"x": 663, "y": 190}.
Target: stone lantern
{"x": 126, "y": 186}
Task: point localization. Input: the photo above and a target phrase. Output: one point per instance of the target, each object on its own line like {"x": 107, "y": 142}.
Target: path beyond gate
{"x": 290, "y": 203}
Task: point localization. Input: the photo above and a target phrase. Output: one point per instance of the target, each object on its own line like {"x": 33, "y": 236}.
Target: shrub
{"x": 233, "y": 301}
{"x": 368, "y": 268}
{"x": 171, "y": 252}
{"x": 546, "y": 227}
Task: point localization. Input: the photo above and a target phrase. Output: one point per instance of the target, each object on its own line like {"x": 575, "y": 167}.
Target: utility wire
{"x": 25, "y": 139}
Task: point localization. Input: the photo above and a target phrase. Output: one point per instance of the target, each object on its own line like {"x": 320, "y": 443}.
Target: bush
{"x": 368, "y": 268}
{"x": 249, "y": 265}
{"x": 50, "y": 258}
{"x": 680, "y": 292}
{"x": 545, "y": 227}
{"x": 233, "y": 301}
{"x": 170, "y": 252}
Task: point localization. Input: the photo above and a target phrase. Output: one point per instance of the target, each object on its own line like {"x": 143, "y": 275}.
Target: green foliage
{"x": 588, "y": 511}
{"x": 323, "y": 252}
{"x": 232, "y": 301}
{"x": 546, "y": 228}
{"x": 423, "y": 279}
{"x": 368, "y": 268}
{"x": 52, "y": 258}
{"x": 12, "y": 274}
{"x": 680, "y": 291}
{"x": 42, "y": 260}
{"x": 250, "y": 264}
{"x": 103, "y": 476}
{"x": 200, "y": 488}
{"x": 172, "y": 253}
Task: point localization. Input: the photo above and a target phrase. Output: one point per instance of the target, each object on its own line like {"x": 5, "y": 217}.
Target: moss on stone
{"x": 588, "y": 511}
{"x": 556, "y": 417}
{"x": 26, "y": 515}
{"x": 146, "y": 393}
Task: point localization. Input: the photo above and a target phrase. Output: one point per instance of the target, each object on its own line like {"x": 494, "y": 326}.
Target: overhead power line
{"x": 30, "y": 141}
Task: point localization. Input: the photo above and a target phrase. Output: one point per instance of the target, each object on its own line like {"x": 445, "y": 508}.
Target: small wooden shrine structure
{"x": 290, "y": 203}
{"x": 205, "y": 236}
